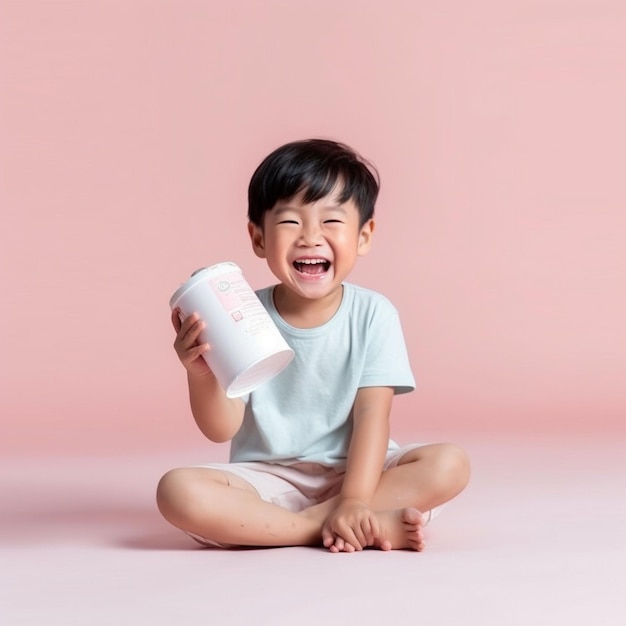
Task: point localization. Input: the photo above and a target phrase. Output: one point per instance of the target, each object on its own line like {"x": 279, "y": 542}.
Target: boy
{"x": 311, "y": 461}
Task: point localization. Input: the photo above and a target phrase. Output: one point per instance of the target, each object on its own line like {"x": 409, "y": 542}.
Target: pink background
{"x": 129, "y": 131}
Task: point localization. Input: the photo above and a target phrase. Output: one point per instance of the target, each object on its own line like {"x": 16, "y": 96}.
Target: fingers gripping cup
{"x": 246, "y": 347}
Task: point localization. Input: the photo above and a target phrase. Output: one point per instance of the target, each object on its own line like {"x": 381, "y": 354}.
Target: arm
{"x": 368, "y": 446}
{"x": 353, "y": 519}
{"x": 217, "y": 416}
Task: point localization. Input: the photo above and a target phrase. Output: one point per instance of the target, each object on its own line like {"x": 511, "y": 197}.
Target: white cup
{"x": 246, "y": 347}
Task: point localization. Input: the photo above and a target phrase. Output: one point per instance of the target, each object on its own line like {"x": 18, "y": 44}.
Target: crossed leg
{"x": 227, "y": 509}
{"x": 424, "y": 478}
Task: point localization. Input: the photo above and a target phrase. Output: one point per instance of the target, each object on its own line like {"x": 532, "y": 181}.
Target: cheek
{"x": 347, "y": 242}
{"x": 276, "y": 247}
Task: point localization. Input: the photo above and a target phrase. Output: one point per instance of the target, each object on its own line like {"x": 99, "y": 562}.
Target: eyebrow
{"x": 285, "y": 208}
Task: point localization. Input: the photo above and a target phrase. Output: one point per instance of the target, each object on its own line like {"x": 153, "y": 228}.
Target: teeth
{"x": 311, "y": 261}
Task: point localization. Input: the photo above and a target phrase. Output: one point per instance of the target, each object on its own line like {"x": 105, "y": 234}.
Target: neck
{"x": 306, "y": 312}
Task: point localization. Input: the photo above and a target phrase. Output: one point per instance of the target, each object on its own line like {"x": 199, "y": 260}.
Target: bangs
{"x": 325, "y": 184}
{"x": 315, "y": 169}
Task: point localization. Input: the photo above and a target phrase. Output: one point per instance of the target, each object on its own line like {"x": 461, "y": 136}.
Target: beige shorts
{"x": 296, "y": 487}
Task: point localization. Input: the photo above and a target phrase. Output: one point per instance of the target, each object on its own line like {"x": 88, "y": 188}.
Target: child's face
{"x": 312, "y": 248}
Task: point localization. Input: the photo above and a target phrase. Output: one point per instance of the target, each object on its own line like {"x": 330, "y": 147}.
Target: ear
{"x": 257, "y": 239}
{"x": 365, "y": 237}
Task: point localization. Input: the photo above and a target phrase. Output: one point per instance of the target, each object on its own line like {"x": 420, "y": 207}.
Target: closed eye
{"x": 288, "y": 222}
{"x": 333, "y": 222}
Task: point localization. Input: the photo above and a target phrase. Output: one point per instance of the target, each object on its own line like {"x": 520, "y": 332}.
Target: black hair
{"x": 314, "y": 167}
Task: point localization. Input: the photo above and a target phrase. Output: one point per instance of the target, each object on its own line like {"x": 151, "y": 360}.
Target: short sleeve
{"x": 386, "y": 362}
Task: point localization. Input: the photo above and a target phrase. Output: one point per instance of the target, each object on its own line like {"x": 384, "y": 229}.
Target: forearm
{"x": 217, "y": 416}
{"x": 368, "y": 447}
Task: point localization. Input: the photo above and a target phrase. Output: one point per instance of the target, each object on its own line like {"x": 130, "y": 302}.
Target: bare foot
{"x": 401, "y": 529}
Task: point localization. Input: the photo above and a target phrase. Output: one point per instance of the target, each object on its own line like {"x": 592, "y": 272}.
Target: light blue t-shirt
{"x": 304, "y": 414}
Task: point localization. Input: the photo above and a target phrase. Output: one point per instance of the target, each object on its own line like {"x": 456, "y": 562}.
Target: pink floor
{"x": 538, "y": 538}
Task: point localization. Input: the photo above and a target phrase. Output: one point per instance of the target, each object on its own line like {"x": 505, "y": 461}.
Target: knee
{"x": 173, "y": 495}
{"x": 453, "y": 467}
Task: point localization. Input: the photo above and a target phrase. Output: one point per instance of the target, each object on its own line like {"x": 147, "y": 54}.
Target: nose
{"x": 310, "y": 235}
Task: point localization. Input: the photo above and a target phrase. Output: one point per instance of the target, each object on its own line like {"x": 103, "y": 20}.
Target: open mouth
{"x": 313, "y": 267}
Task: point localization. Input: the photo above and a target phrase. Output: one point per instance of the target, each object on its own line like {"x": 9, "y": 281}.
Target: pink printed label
{"x": 240, "y": 301}
{"x": 225, "y": 288}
